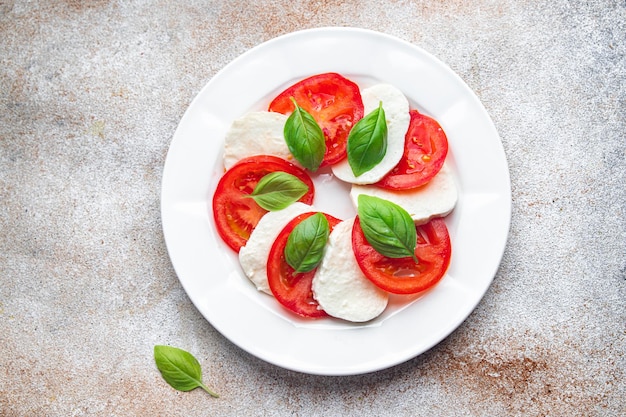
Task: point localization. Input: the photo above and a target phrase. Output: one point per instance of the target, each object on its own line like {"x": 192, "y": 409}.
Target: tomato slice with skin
{"x": 403, "y": 275}
{"x": 425, "y": 150}
{"x": 292, "y": 289}
{"x": 236, "y": 215}
{"x": 334, "y": 102}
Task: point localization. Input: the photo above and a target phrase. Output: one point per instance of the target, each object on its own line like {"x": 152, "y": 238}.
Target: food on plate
{"x": 304, "y": 138}
{"x": 404, "y": 275}
{"x": 277, "y": 190}
{"x": 425, "y": 150}
{"x": 291, "y": 288}
{"x": 314, "y": 264}
{"x": 339, "y": 285}
{"x": 335, "y": 103}
{"x": 253, "y": 256}
{"x": 235, "y": 213}
{"x": 256, "y": 133}
{"x": 396, "y": 108}
{"x": 437, "y": 198}
{"x": 387, "y": 227}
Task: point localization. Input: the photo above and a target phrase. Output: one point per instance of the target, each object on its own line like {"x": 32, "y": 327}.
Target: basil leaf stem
{"x": 306, "y": 242}
{"x": 367, "y": 141}
{"x": 180, "y": 369}
{"x": 277, "y": 190}
{"x": 387, "y": 227}
{"x": 304, "y": 138}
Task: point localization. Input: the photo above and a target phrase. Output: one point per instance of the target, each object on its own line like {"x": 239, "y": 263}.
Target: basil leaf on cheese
{"x": 367, "y": 141}
{"x": 306, "y": 242}
{"x": 277, "y": 190}
{"x": 387, "y": 227}
{"x": 304, "y": 138}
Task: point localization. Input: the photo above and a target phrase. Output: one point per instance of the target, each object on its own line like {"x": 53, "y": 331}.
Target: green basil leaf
{"x": 277, "y": 190}
{"x": 367, "y": 141}
{"x": 304, "y": 138}
{"x": 306, "y": 242}
{"x": 179, "y": 368}
{"x": 387, "y": 227}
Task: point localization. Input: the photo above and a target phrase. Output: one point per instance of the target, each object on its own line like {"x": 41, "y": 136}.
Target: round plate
{"x": 209, "y": 271}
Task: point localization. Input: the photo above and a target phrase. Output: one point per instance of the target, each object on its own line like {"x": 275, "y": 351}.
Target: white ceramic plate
{"x": 209, "y": 271}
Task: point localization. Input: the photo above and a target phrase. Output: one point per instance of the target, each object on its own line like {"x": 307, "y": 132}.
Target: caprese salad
{"x": 315, "y": 264}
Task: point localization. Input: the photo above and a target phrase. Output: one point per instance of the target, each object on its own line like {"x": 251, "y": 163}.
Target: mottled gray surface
{"x": 90, "y": 95}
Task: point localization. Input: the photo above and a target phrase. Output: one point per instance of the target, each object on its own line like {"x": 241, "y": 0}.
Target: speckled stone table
{"x": 90, "y": 95}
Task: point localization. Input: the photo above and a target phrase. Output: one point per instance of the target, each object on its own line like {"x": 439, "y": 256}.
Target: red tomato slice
{"x": 291, "y": 289}
{"x": 333, "y": 101}
{"x": 237, "y": 215}
{"x": 403, "y": 275}
{"x": 425, "y": 150}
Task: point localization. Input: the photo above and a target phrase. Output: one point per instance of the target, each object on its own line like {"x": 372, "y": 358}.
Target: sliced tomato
{"x": 403, "y": 275}
{"x": 292, "y": 289}
{"x": 425, "y": 150}
{"x": 235, "y": 214}
{"x": 333, "y": 101}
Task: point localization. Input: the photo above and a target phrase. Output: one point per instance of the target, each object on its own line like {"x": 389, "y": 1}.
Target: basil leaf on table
{"x": 277, "y": 190}
{"x": 304, "y": 138}
{"x": 305, "y": 245}
{"x": 179, "y": 368}
{"x": 387, "y": 227}
{"x": 367, "y": 141}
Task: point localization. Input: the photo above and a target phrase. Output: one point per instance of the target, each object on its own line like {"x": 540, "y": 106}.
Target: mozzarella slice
{"x": 256, "y": 133}
{"x": 396, "y": 108}
{"x": 253, "y": 256}
{"x": 340, "y": 287}
{"x": 437, "y": 198}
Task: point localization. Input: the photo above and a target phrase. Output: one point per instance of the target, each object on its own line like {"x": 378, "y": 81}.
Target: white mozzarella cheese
{"x": 396, "y": 108}
{"x": 340, "y": 287}
{"x": 256, "y": 133}
{"x": 437, "y": 198}
{"x": 253, "y": 256}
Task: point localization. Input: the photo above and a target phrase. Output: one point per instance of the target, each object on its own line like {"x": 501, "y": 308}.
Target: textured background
{"x": 90, "y": 95}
